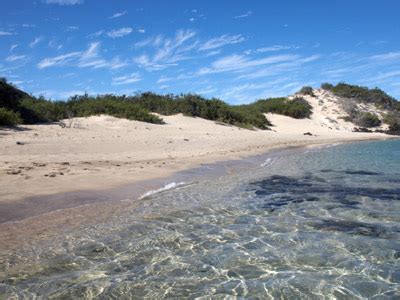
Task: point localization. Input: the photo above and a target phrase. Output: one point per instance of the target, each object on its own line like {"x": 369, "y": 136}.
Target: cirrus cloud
{"x": 64, "y": 2}
{"x": 117, "y": 33}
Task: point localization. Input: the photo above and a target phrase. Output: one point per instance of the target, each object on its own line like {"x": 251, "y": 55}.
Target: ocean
{"x": 304, "y": 223}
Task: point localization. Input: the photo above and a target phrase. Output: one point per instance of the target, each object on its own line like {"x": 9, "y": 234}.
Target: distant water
{"x": 309, "y": 224}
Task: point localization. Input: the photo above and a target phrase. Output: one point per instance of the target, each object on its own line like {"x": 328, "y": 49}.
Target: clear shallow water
{"x": 321, "y": 223}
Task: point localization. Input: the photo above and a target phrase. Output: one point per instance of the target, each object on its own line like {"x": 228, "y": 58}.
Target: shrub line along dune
{"x": 18, "y": 107}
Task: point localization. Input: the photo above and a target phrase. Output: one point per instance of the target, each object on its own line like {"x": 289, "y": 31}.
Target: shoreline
{"x": 42, "y": 227}
{"x": 35, "y": 206}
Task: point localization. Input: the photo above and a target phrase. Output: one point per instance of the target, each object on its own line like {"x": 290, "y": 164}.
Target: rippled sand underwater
{"x": 318, "y": 223}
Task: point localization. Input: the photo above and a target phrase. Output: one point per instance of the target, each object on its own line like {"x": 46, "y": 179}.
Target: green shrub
{"x": 393, "y": 120}
{"x": 119, "y": 107}
{"x": 296, "y": 108}
{"x": 367, "y": 119}
{"x": 363, "y": 94}
{"x": 40, "y": 111}
{"x": 9, "y": 118}
{"x": 307, "y": 90}
{"x": 197, "y": 106}
{"x": 327, "y": 86}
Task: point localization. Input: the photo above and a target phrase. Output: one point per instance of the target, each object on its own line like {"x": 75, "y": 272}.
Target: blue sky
{"x": 238, "y": 51}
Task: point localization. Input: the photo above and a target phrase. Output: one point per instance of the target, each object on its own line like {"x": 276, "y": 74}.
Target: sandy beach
{"x": 55, "y": 177}
{"x": 102, "y": 152}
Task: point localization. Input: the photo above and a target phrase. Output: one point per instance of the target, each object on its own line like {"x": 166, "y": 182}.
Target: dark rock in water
{"x": 280, "y": 191}
{"x": 351, "y": 172}
{"x": 352, "y": 227}
{"x": 327, "y": 170}
{"x": 308, "y": 133}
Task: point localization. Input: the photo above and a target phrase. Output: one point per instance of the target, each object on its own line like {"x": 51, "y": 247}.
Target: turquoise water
{"x": 311, "y": 223}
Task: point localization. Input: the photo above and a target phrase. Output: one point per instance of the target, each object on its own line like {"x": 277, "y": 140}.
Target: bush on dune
{"x": 306, "y": 90}
{"x": 20, "y": 107}
{"x": 297, "y": 108}
{"x": 366, "y": 119}
{"x": 119, "y": 107}
{"x": 327, "y": 86}
{"x": 8, "y": 117}
{"x": 196, "y": 106}
{"x": 393, "y": 120}
{"x": 364, "y": 94}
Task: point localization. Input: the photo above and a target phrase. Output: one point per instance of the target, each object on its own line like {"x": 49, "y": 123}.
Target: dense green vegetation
{"x": 18, "y": 107}
{"x": 366, "y": 119}
{"x": 327, "y": 86}
{"x": 8, "y": 117}
{"x": 197, "y": 106}
{"x": 297, "y": 108}
{"x": 364, "y": 94}
{"x": 393, "y": 120}
{"x": 39, "y": 110}
{"x": 307, "y": 90}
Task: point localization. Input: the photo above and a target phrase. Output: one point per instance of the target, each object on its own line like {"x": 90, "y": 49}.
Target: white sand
{"x": 102, "y": 152}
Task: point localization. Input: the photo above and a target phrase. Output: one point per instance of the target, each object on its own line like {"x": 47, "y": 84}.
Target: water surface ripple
{"x": 321, "y": 223}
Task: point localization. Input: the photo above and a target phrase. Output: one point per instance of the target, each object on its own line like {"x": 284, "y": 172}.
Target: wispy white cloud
{"x": 387, "y": 56}
{"x": 382, "y": 78}
{"x": 207, "y": 90}
{"x": 163, "y": 79}
{"x": 168, "y": 51}
{"x": 237, "y": 62}
{"x": 248, "y": 92}
{"x": 151, "y": 41}
{"x": 12, "y": 47}
{"x": 178, "y": 78}
{"x": 117, "y": 33}
{"x": 17, "y": 82}
{"x": 245, "y": 15}
{"x": 141, "y": 30}
{"x": 25, "y": 25}
{"x": 92, "y": 59}
{"x": 222, "y": 41}
{"x": 58, "y": 60}
{"x": 54, "y": 44}
{"x": 12, "y": 58}
{"x": 89, "y": 58}
{"x": 71, "y": 28}
{"x": 63, "y": 2}
{"x": 35, "y": 42}
{"x": 277, "y": 69}
{"x": 96, "y": 34}
{"x": 118, "y": 14}
{"x": 4, "y": 33}
{"x": 273, "y": 48}
{"x": 127, "y": 79}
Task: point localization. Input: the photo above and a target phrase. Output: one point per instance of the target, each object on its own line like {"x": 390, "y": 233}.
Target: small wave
{"x": 333, "y": 145}
{"x": 268, "y": 162}
{"x": 166, "y": 187}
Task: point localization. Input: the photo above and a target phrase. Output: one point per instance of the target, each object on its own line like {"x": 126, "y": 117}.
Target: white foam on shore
{"x": 166, "y": 187}
{"x": 268, "y": 162}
